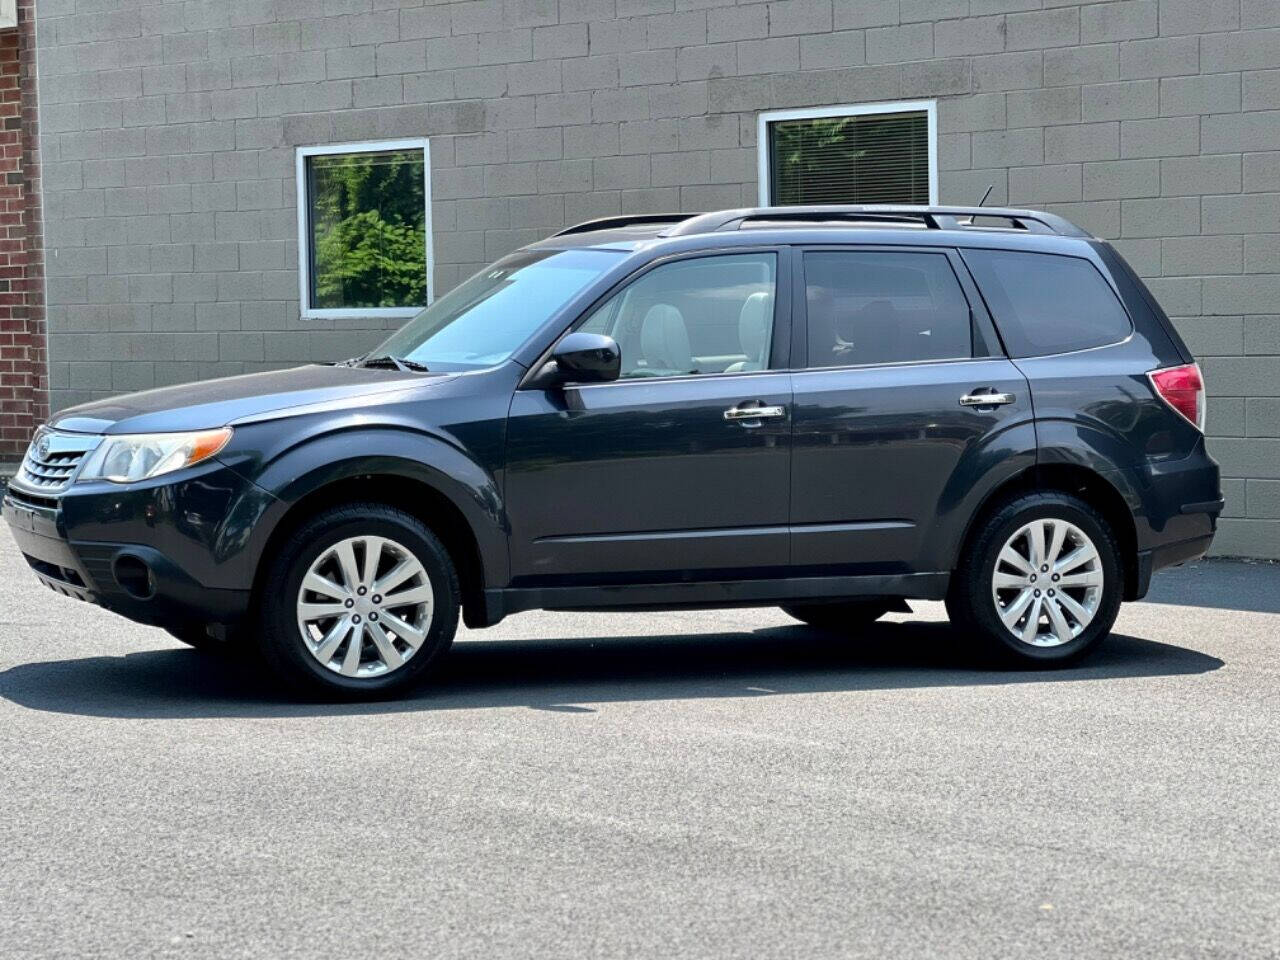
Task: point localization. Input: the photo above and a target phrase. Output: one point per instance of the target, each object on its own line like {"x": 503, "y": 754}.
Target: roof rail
{"x": 626, "y": 220}
{"x": 934, "y": 218}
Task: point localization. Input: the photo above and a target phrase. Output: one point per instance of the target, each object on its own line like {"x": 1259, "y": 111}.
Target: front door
{"x": 679, "y": 470}
{"x": 904, "y": 397}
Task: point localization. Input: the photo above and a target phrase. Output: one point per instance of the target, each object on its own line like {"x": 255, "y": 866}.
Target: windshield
{"x": 483, "y": 321}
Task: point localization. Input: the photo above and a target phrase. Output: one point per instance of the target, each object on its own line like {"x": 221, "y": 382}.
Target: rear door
{"x": 899, "y": 409}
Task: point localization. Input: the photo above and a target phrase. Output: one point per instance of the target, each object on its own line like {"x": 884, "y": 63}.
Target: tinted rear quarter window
{"x": 1047, "y": 303}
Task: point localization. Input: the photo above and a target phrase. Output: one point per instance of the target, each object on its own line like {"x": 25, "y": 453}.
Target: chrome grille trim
{"x": 53, "y": 470}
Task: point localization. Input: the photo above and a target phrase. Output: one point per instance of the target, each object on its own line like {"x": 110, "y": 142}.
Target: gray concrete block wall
{"x": 169, "y": 128}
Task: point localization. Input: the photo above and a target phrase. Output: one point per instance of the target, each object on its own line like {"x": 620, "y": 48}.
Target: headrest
{"x": 875, "y": 332}
{"x": 754, "y": 325}
{"x": 877, "y": 318}
{"x": 664, "y": 339}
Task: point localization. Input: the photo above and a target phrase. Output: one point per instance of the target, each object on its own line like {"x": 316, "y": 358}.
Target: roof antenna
{"x": 969, "y": 222}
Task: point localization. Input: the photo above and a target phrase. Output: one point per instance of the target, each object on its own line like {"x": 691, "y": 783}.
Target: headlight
{"x": 140, "y": 456}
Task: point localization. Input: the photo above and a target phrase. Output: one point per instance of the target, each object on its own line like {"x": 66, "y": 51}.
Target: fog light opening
{"x": 134, "y": 577}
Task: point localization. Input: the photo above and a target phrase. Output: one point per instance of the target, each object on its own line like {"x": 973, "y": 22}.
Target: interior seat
{"x": 875, "y": 332}
{"x": 664, "y": 342}
{"x": 825, "y": 349}
{"x": 754, "y": 326}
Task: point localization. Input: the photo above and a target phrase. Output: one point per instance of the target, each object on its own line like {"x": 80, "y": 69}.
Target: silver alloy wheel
{"x": 365, "y": 606}
{"x": 1048, "y": 582}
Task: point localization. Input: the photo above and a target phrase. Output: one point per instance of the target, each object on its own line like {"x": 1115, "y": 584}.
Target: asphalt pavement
{"x": 704, "y": 784}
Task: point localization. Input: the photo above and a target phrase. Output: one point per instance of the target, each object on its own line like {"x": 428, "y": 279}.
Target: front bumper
{"x": 163, "y": 553}
{"x": 50, "y": 558}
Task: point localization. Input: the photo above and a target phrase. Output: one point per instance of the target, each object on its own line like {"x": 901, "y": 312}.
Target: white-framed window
{"x": 867, "y": 153}
{"x": 364, "y": 229}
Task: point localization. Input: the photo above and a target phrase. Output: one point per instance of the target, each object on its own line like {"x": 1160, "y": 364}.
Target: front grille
{"x": 50, "y": 473}
{"x": 32, "y": 499}
{"x": 52, "y": 459}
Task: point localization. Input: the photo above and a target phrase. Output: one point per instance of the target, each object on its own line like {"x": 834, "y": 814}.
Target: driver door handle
{"x": 755, "y": 413}
{"x": 986, "y": 399}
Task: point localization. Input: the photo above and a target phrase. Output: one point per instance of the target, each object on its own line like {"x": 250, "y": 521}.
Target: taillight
{"x": 1183, "y": 389}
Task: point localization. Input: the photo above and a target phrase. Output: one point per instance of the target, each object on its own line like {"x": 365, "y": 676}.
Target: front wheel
{"x": 1042, "y": 582}
{"x": 361, "y": 603}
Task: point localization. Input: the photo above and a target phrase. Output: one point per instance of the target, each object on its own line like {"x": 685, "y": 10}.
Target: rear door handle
{"x": 755, "y": 413}
{"x": 986, "y": 399}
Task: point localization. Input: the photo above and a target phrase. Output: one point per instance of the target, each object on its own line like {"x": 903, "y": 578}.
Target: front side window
{"x": 884, "y": 307}
{"x": 698, "y": 316}
{"x": 364, "y": 229}
{"x": 1046, "y": 303}
{"x": 878, "y": 153}
{"x": 482, "y": 322}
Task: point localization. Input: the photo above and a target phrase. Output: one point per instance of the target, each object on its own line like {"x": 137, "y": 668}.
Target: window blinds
{"x": 874, "y": 158}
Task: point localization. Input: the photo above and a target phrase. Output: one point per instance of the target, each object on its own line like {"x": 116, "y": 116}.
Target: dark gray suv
{"x": 831, "y": 409}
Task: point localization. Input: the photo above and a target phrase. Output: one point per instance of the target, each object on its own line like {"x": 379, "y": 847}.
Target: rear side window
{"x": 1046, "y": 303}
{"x": 884, "y": 307}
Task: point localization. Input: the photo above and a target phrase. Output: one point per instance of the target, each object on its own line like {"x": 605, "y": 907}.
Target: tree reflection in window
{"x": 367, "y": 230}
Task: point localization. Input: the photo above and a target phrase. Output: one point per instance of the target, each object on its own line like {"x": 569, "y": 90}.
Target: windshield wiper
{"x": 397, "y": 363}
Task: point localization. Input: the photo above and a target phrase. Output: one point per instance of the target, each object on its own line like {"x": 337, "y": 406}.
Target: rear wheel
{"x": 1042, "y": 581}
{"x": 844, "y": 617}
{"x": 361, "y": 603}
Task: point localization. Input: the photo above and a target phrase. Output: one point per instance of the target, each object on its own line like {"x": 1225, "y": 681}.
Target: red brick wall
{"x": 24, "y": 397}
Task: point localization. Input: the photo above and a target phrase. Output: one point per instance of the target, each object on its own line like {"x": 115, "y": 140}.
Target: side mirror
{"x": 587, "y": 358}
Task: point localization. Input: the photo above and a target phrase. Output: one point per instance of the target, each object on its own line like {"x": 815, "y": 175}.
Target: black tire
{"x": 281, "y": 640}
{"x": 970, "y": 603}
{"x": 847, "y": 617}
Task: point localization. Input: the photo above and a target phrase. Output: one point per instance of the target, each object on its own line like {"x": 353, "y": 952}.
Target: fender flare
{"x": 979, "y": 475}
{"x": 320, "y": 461}
{"x": 1087, "y": 453}
{"x": 1086, "y": 445}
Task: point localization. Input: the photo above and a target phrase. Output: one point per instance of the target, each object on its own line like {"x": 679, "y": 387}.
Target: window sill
{"x": 371, "y": 313}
